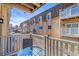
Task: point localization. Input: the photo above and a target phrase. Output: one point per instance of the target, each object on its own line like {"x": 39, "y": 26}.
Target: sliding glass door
{"x": 72, "y": 28}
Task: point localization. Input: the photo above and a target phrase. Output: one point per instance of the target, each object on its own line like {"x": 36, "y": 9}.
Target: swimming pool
{"x": 31, "y": 51}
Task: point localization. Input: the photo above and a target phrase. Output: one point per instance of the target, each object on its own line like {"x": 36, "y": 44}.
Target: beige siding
{"x": 55, "y": 27}
{"x": 44, "y": 28}
{"x": 70, "y": 20}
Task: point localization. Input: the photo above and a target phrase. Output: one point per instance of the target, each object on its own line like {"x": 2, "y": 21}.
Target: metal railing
{"x": 52, "y": 46}
{"x": 69, "y": 12}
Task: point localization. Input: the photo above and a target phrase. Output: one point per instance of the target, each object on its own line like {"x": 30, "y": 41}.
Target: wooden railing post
{"x": 30, "y": 35}
{"x": 49, "y": 46}
{"x": 46, "y": 52}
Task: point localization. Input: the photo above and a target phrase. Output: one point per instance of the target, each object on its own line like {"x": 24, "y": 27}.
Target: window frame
{"x": 40, "y": 19}
{"x": 71, "y": 24}
{"x": 49, "y": 16}
{"x": 74, "y": 30}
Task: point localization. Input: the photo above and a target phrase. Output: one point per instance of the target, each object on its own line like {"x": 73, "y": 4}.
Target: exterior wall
{"x": 49, "y": 23}
{"x": 55, "y": 32}
{"x": 4, "y": 13}
{"x": 0, "y": 24}
{"x": 44, "y": 28}
{"x": 40, "y": 23}
{"x": 5, "y": 23}
{"x": 56, "y": 22}
{"x": 70, "y": 20}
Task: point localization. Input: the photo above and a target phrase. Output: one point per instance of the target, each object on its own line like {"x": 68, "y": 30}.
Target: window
{"x": 40, "y": 27}
{"x": 40, "y": 19}
{"x": 75, "y": 25}
{"x": 34, "y": 24}
{"x": 72, "y": 28}
{"x": 34, "y": 30}
{"x": 49, "y": 27}
{"x": 68, "y": 25}
{"x": 37, "y": 27}
{"x": 49, "y": 16}
{"x": 72, "y": 25}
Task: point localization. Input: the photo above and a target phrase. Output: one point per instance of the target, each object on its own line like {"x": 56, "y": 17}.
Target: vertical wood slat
{"x": 8, "y": 44}
{"x": 47, "y": 46}
{"x": 61, "y": 50}
{"x": 72, "y": 49}
{"x": 57, "y": 48}
{"x": 11, "y": 44}
{"x": 66, "y": 47}
{"x": 53, "y": 47}
{"x": 69, "y": 49}
{"x": 78, "y": 50}
{"x": 50, "y": 48}
{"x": 75, "y": 50}
{"x": 19, "y": 41}
{"x": 3, "y": 51}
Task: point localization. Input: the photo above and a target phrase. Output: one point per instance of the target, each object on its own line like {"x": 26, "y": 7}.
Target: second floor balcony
{"x": 69, "y": 12}
{"x": 50, "y": 45}
{"x": 70, "y": 32}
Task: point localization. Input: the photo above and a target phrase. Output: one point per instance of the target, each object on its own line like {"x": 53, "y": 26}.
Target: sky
{"x": 18, "y": 15}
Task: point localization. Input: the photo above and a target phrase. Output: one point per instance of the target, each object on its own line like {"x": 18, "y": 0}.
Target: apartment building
{"x": 70, "y": 22}
{"x": 24, "y": 27}
{"x": 60, "y": 21}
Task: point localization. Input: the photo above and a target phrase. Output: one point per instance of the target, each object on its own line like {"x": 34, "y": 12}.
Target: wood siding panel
{"x": 55, "y": 27}
{"x": 70, "y": 20}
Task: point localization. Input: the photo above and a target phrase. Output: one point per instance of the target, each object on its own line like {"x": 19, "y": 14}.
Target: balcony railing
{"x": 70, "y": 31}
{"x": 12, "y": 44}
{"x": 69, "y": 12}
{"x": 52, "y": 46}
{"x": 55, "y": 46}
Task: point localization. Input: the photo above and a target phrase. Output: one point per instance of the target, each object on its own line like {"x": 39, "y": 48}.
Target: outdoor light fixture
{"x": 1, "y": 19}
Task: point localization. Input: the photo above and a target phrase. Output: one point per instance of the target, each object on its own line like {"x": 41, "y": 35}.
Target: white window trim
{"x": 40, "y": 19}
{"x": 49, "y": 14}
{"x": 72, "y": 23}
{"x": 72, "y": 28}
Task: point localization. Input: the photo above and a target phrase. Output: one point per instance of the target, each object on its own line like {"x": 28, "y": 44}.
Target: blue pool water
{"x": 31, "y": 51}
